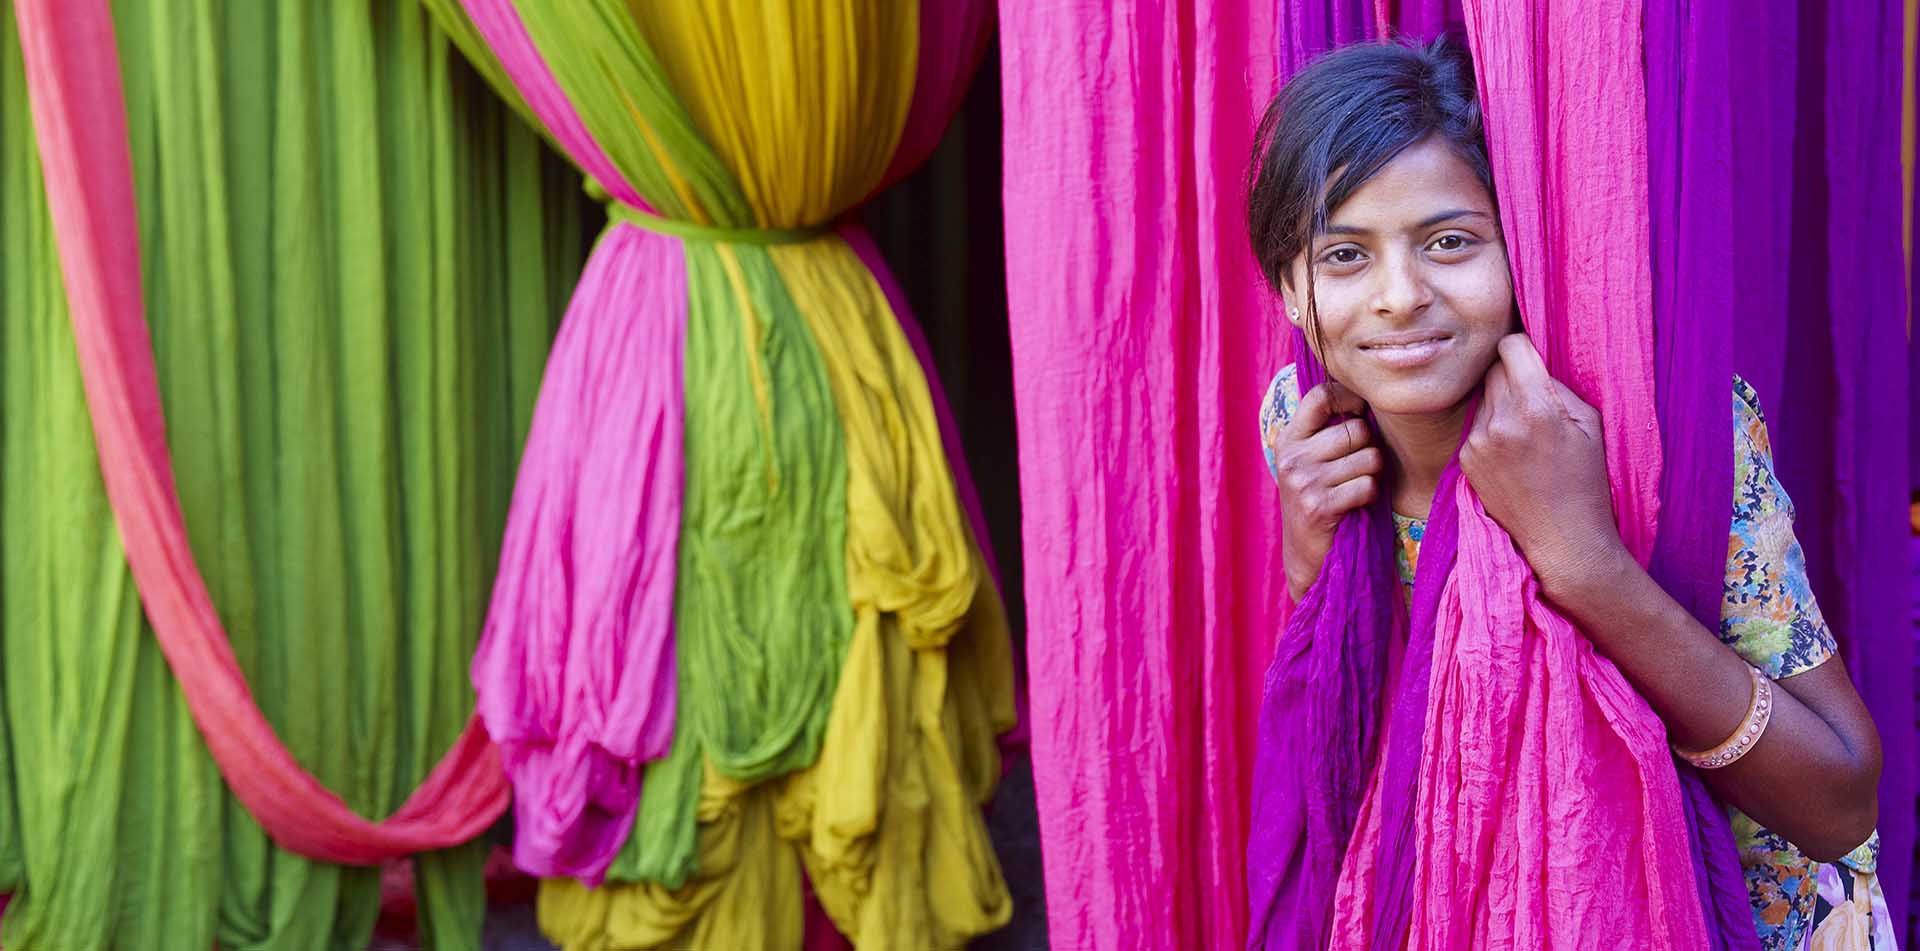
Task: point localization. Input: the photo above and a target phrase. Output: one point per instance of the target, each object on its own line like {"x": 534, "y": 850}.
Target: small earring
{"x": 1294, "y": 314}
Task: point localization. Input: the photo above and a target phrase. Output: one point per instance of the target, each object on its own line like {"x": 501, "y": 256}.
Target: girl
{"x": 1372, "y": 212}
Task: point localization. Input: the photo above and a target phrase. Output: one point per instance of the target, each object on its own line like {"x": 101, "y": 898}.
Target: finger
{"x": 1352, "y": 494}
{"x": 1340, "y": 439}
{"x": 1580, "y": 411}
{"x": 1526, "y": 370}
{"x": 1344, "y": 401}
{"x": 1316, "y": 407}
{"x": 1366, "y": 462}
{"x": 1494, "y": 395}
{"x": 1575, "y": 406}
{"x": 1498, "y": 394}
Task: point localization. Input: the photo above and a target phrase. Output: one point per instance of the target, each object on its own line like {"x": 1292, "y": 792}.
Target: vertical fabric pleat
{"x": 352, "y": 257}
{"x": 841, "y": 654}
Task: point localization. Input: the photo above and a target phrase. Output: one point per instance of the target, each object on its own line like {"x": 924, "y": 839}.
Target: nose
{"x": 1401, "y": 290}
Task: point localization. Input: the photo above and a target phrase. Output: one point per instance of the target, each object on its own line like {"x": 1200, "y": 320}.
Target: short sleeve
{"x": 1768, "y": 614}
{"x": 1282, "y": 399}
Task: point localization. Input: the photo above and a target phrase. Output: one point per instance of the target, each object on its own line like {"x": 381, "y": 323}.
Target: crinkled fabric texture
{"x": 1461, "y": 818}
{"x": 343, "y": 517}
{"x": 821, "y": 529}
{"x": 1768, "y": 615}
{"x": 1137, "y": 322}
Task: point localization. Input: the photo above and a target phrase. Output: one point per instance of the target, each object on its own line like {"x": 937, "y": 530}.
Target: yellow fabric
{"x": 903, "y": 734}
{"x": 888, "y": 821}
{"x": 805, "y": 102}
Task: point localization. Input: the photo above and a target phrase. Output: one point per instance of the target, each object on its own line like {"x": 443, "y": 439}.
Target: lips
{"x": 1407, "y": 350}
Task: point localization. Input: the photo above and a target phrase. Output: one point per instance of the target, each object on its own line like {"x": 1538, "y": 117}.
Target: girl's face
{"x": 1410, "y": 284}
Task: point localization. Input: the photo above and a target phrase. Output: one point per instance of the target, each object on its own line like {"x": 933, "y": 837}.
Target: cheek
{"x": 1482, "y": 298}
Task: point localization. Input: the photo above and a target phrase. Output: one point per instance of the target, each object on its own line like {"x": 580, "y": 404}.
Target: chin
{"x": 1413, "y": 397}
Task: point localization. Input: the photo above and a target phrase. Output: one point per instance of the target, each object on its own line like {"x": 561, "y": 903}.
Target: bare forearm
{"x": 1809, "y": 779}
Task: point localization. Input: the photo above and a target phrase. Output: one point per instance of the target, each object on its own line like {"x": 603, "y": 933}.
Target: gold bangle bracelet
{"x": 1759, "y": 713}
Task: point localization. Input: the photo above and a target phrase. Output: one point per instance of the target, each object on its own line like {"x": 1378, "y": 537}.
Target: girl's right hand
{"x": 1325, "y": 467}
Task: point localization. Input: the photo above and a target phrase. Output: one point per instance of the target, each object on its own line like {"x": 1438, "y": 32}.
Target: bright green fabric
{"x": 762, "y": 616}
{"x": 354, "y": 259}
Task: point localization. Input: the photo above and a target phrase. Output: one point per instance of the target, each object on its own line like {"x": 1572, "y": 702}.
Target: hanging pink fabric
{"x": 1141, "y": 342}
{"x": 73, "y": 82}
{"x": 1510, "y": 675}
{"x": 575, "y": 669}
{"x": 1457, "y": 835}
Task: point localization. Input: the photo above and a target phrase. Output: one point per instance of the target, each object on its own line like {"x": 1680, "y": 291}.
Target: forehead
{"x": 1427, "y": 177}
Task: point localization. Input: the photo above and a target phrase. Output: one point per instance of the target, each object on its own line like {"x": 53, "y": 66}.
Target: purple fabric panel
{"x": 1426, "y": 19}
{"x": 1762, "y": 67}
{"x": 575, "y": 669}
{"x": 1871, "y": 399}
{"x": 1321, "y": 696}
{"x": 1690, "y": 185}
{"x": 1140, "y": 346}
{"x": 1318, "y": 724}
{"x": 1393, "y": 896}
{"x": 1311, "y": 27}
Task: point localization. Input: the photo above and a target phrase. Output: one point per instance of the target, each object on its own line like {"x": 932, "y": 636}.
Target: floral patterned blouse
{"x": 1768, "y": 616}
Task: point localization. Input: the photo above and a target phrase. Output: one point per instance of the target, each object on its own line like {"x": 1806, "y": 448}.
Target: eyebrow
{"x": 1427, "y": 222}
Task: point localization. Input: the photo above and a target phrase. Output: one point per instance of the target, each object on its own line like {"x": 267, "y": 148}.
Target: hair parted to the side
{"x": 1338, "y": 122}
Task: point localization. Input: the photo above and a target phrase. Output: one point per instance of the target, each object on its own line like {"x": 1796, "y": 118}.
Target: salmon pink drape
{"x": 73, "y": 79}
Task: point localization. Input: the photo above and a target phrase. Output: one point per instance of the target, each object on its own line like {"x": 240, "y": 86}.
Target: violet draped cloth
{"x": 73, "y": 78}
{"x": 1821, "y": 332}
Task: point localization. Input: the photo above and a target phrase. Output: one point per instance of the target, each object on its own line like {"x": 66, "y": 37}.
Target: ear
{"x": 1288, "y": 300}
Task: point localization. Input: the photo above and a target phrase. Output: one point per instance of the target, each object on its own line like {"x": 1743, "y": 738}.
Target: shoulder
{"x": 1277, "y": 407}
{"x": 1282, "y": 398}
{"x": 1757, "y": 491}
{"x": 1769, "y": 614}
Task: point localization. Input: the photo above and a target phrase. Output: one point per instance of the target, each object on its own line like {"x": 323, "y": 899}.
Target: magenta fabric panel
{"x": 953, "y": 37}
{"x": 1141, "y": 345}
{"x": 575, "y": 668}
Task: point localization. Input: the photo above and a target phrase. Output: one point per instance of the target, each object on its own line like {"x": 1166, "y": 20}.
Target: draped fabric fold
{"x": 80, "y": 124}
{"x": 1096, "y": 218}
{"x": 1138, "y": 331}
{"x": 1466, "y": 804}
{"x": 827, "y": 684}
{"x": 330, "y": 467}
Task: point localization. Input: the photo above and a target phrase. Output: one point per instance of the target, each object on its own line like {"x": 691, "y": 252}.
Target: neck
{"x": 1418, "y": 450}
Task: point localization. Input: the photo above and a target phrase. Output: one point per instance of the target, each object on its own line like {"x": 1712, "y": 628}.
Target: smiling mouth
{"x": 1406, "y": 351}
{"x": 1408, "y": 342}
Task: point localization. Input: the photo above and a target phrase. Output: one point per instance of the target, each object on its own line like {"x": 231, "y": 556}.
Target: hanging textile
{"x": 292, "y": 178}
{"x": 775, "y": 636}
{"x": 1137, "y": 327}
{"x": 1075, "y": 181}
{"x": 1820, "y": 331}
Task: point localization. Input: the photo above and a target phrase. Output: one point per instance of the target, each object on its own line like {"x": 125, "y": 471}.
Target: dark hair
{"x": 1339, "y": 121}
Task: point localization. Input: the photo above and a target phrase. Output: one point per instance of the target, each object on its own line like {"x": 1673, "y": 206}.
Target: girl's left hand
{"x": 1536, "y": 456}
